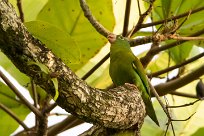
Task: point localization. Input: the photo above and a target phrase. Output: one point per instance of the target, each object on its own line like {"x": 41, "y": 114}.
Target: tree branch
{"x": 67, "y": 123}
{"x": 126, "y": 18}
{"x": 177, "y": 66}
{"x": 155, "y": 50}
{"x": 20, "y": 9}
{"x": 20, "y": 96}
{"x": 172, "y": 85}
{"x": 120, "y": 108}
{"x": 87, "y": 13}
{"x": 172, "y": 18}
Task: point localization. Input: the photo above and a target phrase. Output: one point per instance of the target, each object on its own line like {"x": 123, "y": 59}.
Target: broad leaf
{"x": 31, "y": 8}
{"x": 7, "y": 124}
{"x": 12, "y": 70}
{"x": 54, "y": 38}
{"x": 68, "y": 16}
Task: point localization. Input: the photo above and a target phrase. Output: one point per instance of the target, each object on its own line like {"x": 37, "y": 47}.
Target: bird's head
{"x": 112, "y": 38}
{"x": 118, "y": 41}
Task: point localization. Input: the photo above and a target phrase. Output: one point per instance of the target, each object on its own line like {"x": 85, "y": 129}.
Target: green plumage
{"x": 126, "y": 68}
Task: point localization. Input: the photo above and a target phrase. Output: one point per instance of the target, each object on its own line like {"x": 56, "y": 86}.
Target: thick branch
{"x": 120, "y": 107}
{"x": 172, "y": 85}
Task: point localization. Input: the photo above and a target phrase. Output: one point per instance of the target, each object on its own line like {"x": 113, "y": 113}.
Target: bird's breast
{"x": 121, "y": 71}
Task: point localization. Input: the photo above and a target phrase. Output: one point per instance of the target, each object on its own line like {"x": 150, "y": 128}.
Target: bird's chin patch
{"x": 111, "y": 38}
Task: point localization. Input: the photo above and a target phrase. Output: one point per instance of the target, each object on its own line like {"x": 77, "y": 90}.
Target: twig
{"x": 13, "y": 115}
{"x": 156, "y": 50}
{"x": 50, "y": 107}
{"x": 87, "y": 13}
{"x": 159, "y": 100}
{"x": 58, "y": 114}
{"x": 183, "y": 94}
{"x": 67, "y": 123}
{"x": 172, "y": 18}
{"x": 183, "y": 119}
{"x": 20, "y": 96}
{"x": 95, "y": 67}
{"x": 184, "y": 105}
{"x": 19, "y": 5}
{"x": 35, "y": 96}
{"x": 177, "y": 66}
{"x": 126, "y": 18}
{"x": 175, "y": 37}
{"x": 141, "y": 18}
{"x": 169, "y": 119}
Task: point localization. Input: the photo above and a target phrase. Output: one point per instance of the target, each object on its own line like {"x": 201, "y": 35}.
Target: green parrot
{"x": 125, "y": 67}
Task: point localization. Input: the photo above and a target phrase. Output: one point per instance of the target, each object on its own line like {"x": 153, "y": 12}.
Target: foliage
{"x": 62, "y": 27}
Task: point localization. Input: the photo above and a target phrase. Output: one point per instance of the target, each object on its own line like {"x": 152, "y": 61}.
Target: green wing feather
{"x": 145, "y": 90}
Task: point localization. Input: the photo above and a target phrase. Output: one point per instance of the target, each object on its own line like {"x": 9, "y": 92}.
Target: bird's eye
{"x": 120, "y": 37}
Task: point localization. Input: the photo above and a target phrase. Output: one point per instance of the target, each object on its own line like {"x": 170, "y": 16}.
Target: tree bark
{"x": 119, "y": 108}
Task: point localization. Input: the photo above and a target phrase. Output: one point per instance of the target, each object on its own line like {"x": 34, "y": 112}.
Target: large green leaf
{"x": 7, "y": 97}
{"x": 181, "y": 53}
{"x": 12, "y": 70}
{"x": 7, "y": 124}
{"x": 159, "y": 63}
{"x": 54, "y": 38}
{"x": 68, "y": 16}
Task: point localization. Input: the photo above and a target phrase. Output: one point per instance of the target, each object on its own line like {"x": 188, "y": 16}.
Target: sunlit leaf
{"x": 8, "y": 124}
{"x": 162, "y": 61}
{"x": 8, "y": 98}
{"x": 12, "y": 70}
{"x": 68, "y": 16}
{"x": 54, "y": 38}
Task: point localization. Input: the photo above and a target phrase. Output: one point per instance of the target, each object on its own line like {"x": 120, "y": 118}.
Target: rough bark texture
{"x": 120, "y": 108}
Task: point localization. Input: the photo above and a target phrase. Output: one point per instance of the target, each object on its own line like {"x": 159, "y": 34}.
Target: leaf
{"x": 180, "y": 53}
{"x": 12, "y": 70}
{"x": 41, "y": 66}
{"x": 68, "y": 16}
{"x": 54, "y": 38}
{"x": 199, "y": 132}
{"x": 55, "y": 82}
{"x": 159, "y": 63}
{"x": 8, "y": 98}
{"x": 8, "y": 124}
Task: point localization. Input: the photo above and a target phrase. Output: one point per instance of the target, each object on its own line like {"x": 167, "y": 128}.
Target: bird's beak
{"x": 111, "y": 38}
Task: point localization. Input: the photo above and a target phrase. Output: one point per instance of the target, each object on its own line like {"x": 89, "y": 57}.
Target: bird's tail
{"x": 150, "y": 110}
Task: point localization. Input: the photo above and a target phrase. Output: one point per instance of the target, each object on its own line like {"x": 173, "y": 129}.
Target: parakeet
{"x": 125, "y": 67}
